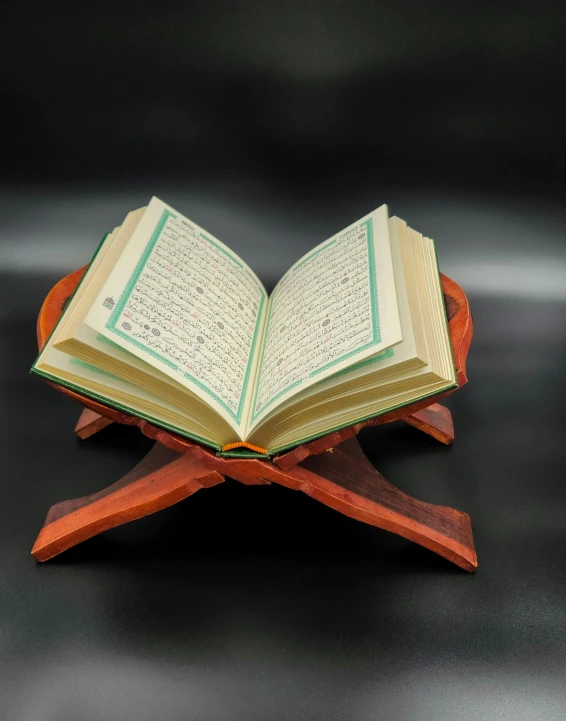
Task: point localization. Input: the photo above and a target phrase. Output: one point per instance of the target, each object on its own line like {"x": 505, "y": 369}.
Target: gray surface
{"x": 273, "y": 125}
{"x": 494, "y": 244}
{"x": 259, "y": 603}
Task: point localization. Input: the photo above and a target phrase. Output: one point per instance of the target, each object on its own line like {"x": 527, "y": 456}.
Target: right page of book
{"x": 335, "y": 307}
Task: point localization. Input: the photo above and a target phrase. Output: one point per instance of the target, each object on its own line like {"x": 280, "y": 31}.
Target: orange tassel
{"x": 243, "y": 444}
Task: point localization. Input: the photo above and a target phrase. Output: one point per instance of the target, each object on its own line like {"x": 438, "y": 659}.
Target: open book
{"x": 170, "y": 325}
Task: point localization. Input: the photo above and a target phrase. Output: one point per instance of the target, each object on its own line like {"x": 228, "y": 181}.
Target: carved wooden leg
{"x": 161, "y": 479}
{"x": 436, "y": 421}
{"x": 90, "y": 423}
{"x": 346, "y": 481}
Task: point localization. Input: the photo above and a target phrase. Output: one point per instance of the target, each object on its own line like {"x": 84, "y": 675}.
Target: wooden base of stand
{"x": 342, "y": 478}
{"x": 90, "y": 423}
{"x": 333, "y": 469}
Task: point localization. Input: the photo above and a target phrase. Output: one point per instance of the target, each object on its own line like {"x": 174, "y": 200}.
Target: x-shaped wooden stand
{"x": 332, "y": 469}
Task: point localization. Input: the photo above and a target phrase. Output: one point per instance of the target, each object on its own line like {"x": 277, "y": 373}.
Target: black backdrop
{"x": 298, "y": 92}
{"x": 274, "y": 125}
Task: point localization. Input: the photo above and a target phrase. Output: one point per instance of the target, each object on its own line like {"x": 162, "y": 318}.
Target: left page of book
{"x": 183, "y": 302}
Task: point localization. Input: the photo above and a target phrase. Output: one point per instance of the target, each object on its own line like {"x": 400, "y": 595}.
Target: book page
{"x": 182, "y": 301}
{"x": 400, "y": 355}
{"x": 335, "y": 307}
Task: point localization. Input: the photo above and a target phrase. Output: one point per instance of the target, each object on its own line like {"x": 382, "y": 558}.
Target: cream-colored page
{"x": 335, "y": 307}
{"x": 182, "y": 301}
{"x": 404, "y": 351}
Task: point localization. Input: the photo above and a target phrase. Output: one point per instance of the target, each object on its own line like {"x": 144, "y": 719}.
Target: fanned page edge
{"x": 76, "y": 387}
{"x": 124, "y": 408}
{"x": 137, "y": 245}
{"x": 43, "y": 351}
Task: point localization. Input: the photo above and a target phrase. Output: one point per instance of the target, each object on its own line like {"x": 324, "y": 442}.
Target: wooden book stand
{"x": 332, "y": 469}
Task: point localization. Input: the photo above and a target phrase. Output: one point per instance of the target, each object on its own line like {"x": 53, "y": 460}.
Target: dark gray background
{"x": 273, "y": 126}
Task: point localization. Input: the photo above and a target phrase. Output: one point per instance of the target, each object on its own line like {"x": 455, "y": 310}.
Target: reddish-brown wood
{"x": 342, "y": 478}
{"x": 436, "y": 420}
{"x": 332, "y": 469}
{"x": 160, "y": 480}
{"x": 367, "y": 496}
{"x": 90, "y": 423}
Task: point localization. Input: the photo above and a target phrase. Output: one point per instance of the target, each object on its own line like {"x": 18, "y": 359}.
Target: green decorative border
{"x": 125, "y": 296}
{"x": 314, "y": 253}
{"x": 221, "y": 249}
{"x": 376, "y": 328}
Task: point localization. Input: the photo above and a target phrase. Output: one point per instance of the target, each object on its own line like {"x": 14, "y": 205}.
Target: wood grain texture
{"x": 435, "y": 421}
{"x": 342, "y": 479}
{"x": 90, "y": 423}
{"x": 160, "y": 480}
{"x": 367, "y": 496}
{"x": 345, "y": 480}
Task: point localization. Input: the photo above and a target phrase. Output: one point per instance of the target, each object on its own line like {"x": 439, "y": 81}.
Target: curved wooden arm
{"x": 161, "y": 479}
